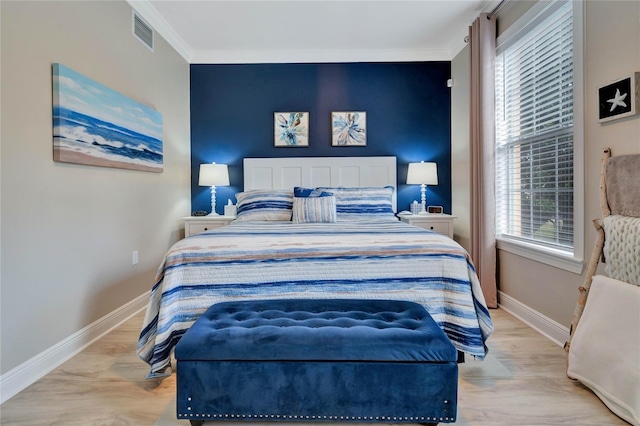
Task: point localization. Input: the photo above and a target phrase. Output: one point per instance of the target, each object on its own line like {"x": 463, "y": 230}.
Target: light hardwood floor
{"x": 522, "y": 382}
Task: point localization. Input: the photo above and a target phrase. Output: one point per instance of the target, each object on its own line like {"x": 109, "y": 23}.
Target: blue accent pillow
{"x": 309, "y": 192}
{"x": 367, "y": 203}
{"x": 320, "y": 209}
{"x": 264, "y": 205}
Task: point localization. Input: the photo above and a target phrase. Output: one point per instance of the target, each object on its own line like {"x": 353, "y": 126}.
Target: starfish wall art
{"x": 619, "y": 99}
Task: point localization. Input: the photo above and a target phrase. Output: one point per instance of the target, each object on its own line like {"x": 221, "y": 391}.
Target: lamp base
{"x": 423, "y": 199}
{"x": 213, "y": 202}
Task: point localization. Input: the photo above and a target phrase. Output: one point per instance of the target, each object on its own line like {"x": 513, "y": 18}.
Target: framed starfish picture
{"x": 619, "y": 99}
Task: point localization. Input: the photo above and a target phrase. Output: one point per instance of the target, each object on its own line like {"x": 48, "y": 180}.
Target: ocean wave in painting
{"x": 89, "y": 136}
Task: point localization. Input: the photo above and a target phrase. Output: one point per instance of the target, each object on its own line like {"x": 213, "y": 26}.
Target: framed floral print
{"x": 291, "y": 129}
{"x": 349, "y": 129}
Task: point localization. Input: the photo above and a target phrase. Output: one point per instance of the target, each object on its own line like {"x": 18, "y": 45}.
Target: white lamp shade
{"x": 213, "y": 175}
{"x": 422, "y": 173}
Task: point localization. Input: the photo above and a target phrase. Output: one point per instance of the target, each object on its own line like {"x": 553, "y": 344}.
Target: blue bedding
{"x": 284, "y": 260}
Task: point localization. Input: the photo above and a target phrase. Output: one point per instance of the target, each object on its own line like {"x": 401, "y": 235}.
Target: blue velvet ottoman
{"x": 316, "y": 360}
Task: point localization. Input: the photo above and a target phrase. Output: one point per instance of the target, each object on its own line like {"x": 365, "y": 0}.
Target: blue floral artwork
{"x": 349, "y": 128}
{"x": 95, "y": 125}
{"x": 291, "y": 128}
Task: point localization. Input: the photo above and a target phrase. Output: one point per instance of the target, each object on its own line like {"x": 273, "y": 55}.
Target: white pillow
{"x": 314, "y": 209}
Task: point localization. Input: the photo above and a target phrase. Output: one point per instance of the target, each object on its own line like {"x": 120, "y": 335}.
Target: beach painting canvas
{"x": 95, "y": 125}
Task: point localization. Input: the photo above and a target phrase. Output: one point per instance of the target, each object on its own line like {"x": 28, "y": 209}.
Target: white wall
{"x": 68, "y": 231}
{"x": 612, "y": 50}
{"x": 460, "y": 170}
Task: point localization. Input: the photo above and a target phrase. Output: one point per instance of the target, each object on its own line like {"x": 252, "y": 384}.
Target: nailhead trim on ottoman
{"x": 330, "y": 360}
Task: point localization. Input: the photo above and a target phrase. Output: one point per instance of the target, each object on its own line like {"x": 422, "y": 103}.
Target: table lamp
{"x": 422, "y": 174}
{"x": 213, "y": 175}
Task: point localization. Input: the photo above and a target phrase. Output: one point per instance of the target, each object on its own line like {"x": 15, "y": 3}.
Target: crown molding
{"x": 318, "y": 56}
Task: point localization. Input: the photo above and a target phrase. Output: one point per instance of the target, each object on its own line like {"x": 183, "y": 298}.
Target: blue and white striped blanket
{"x": 268, "y": 260}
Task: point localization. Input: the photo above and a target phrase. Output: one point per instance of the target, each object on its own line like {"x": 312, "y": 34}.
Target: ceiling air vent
{"x": 142, "y": 31}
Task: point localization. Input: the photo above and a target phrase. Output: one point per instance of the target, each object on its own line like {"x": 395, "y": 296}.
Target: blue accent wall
{"x": 408, "y": 108}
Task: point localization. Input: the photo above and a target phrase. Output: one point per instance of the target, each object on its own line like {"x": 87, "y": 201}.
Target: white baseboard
{"x": 549, "y": 328}
{"x": 27, "y": 373}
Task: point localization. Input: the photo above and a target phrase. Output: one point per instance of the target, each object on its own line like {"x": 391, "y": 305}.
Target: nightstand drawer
{"x": 196, "y": 228}
{"x": 440, "y": 223}
{"x": 197, "y": 224}
{"x": 439, "y": 227}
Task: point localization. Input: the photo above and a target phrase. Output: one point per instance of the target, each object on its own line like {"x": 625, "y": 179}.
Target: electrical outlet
{"x": 134, "y": 257}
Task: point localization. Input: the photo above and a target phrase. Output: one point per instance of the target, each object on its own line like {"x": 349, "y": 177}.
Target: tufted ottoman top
{"x": 316, "y": 330}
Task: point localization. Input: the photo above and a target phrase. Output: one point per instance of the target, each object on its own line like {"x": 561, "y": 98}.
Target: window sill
{"x": 555, "y": 258}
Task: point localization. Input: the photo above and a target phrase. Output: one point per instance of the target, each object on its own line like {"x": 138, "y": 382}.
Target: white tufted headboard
{"x": 311, "y": 172}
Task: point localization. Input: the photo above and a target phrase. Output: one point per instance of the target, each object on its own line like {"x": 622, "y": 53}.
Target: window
{"x": 535, "y": 142}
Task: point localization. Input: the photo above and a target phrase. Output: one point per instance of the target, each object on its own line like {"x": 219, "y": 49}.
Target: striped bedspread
{"x": 265, "y": 260}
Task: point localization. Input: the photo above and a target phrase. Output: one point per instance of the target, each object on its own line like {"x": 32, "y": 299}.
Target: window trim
{"x": 548, "y": 256}
{"x": 557, "y": 258}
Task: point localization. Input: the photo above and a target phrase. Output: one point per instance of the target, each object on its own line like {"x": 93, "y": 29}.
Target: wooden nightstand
{"x": 440, "y": 223}
{"x": 196, "y": 224}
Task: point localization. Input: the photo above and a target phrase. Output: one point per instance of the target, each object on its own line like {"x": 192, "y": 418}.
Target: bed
{"x": 355, "y": 248}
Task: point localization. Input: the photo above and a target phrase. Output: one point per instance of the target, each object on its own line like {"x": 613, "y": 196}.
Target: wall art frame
{"x": 349, "y": 128}
{"x": 95, "y": 125}
{"x": 619, "y": 99}
{"x": 291, "y": 129}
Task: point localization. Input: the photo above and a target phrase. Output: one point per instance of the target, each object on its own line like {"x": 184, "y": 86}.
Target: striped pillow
{"x": 369, "y": 203}
{"x": 264, "y": 204}
{"x": 321, "y": 209}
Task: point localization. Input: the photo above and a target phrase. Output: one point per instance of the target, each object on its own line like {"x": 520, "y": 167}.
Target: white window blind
{"x": 534, "y": 134}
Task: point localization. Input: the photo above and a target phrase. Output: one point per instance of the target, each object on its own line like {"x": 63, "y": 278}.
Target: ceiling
{"x": 246, "y": 31}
